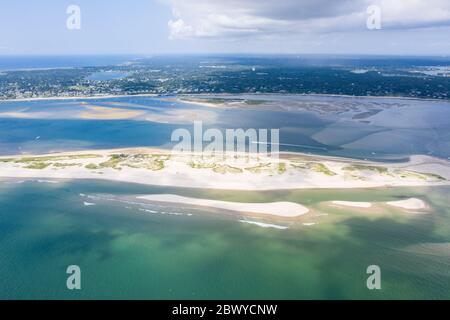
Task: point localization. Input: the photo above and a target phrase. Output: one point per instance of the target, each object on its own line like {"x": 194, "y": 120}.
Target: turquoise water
{"x": 187, "y": 253}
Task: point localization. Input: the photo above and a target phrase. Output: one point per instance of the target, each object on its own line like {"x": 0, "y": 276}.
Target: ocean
{"x": 129, "y": 249}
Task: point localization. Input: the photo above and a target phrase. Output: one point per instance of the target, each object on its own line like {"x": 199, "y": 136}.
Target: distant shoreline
{"x": 109, "y": 96}
{"x": 311, "y": 95}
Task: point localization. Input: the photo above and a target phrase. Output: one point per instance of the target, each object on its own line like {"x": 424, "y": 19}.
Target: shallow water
{"x": 130, "y": 249}
{"x": 407, "y": 127}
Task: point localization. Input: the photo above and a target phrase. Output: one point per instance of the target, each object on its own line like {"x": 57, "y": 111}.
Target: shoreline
{"x": 330, "y": 95}
{"x": 108, "y": 96}
{"x": 174, "y": 95}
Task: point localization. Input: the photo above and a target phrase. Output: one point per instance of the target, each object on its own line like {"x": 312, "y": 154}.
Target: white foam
{"x": 264, "y": 225}
{"x": 148, "y": 210}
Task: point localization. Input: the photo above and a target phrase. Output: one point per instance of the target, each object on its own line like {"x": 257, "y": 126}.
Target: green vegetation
{"x": 259, "y": 168}
{"x": 136, "y": 161}
{"x": 397, "y": 172}
{"x": 199, "y": 165}
{"x": 381, "y": 170}
{"x": 314, "y": 166}
{"x": 281, "y": 168}
{"x": 436, "y": 176}
{"x": 226, "y": 169}
{"x": 320, "y": 167}
{"x": 91, "y": 166}
{"x": 114, "y": 161}
{"x": 63, "y": 165}
{"x": 417, "y": 175}
{"x": 37, "y": 165}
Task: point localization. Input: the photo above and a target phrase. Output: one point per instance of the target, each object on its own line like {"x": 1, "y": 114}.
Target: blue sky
{"x": 420, "y": 27}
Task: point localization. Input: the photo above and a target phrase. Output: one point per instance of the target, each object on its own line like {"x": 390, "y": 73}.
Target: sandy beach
{"x": 165, "y": 168}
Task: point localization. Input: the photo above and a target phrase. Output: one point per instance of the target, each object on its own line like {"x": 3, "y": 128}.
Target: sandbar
{"x": 281, "y": 209}
{"x": 409, "y": 204}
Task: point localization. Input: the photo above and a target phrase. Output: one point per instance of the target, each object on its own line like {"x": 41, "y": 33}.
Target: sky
{"x": 398, "y": 27}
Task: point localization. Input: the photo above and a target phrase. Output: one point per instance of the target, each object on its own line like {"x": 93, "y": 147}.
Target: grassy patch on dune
{"x": 64, "y": 165}
{"x": 226, "y": 169}
{"x": 316, "y": 167}
{"x": 381, "y": 170}
{"x": 37, "y": 165}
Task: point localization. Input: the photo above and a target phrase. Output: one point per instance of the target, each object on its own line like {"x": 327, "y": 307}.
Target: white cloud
{"x": 249, "y": 18}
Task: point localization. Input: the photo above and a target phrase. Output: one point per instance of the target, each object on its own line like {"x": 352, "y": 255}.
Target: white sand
{"x": 264, "y": 225}
{"x": 281, "y": 209}
{"x": 353, "y": 204}
{"x": 409, "y": 204}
